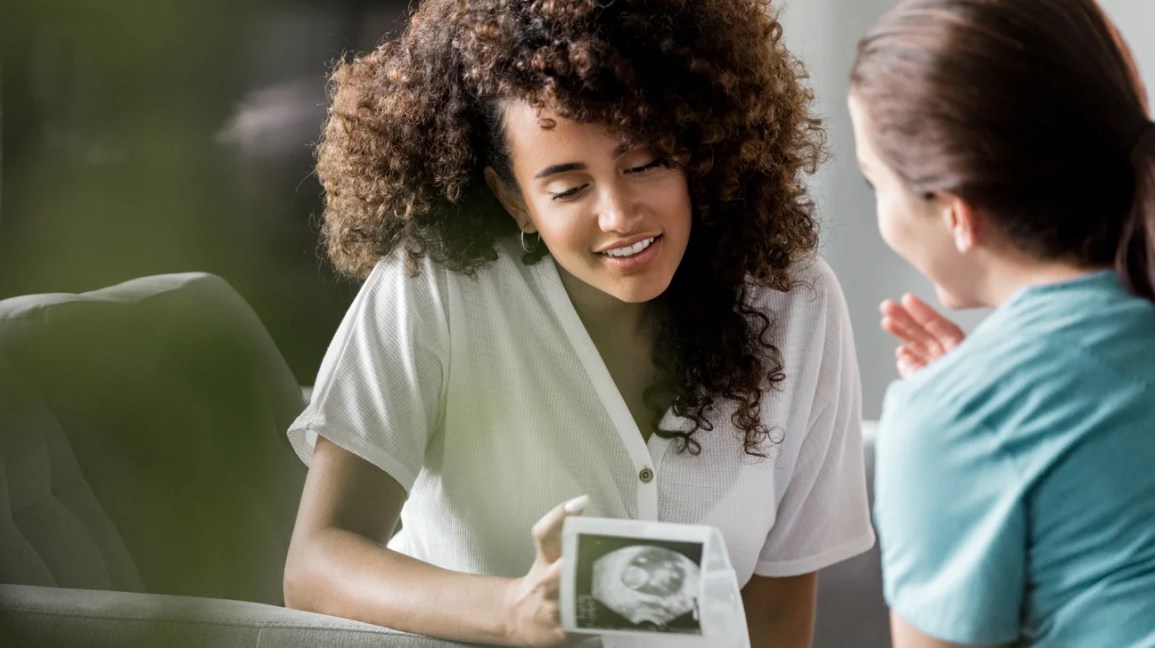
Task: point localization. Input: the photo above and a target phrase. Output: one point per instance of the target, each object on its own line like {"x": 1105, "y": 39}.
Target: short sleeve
{"x": 824, "y": 516}
{"x": 379, "y": 392}
{"x": 951, "y": 524}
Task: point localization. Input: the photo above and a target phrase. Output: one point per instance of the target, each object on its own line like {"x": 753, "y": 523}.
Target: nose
{"x": 617, "y": 211}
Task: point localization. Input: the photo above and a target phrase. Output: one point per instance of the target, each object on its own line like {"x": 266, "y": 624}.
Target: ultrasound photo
{"x": 637, "y": 584}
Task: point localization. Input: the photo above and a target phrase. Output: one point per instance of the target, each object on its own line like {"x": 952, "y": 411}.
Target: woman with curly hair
{"x": 590, "y": 283}
{"x": 1014, "y": 163}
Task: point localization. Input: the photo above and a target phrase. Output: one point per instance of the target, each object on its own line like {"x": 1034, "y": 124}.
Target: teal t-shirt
{"x": 1015, "y": 477}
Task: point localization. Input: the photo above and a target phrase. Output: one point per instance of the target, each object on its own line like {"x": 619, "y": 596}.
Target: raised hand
{"x": 925, "y": 334}
{"x": 533, "y": 614}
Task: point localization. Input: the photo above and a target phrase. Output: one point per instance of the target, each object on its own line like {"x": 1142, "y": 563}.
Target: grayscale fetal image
{"x": 634, "y": 584}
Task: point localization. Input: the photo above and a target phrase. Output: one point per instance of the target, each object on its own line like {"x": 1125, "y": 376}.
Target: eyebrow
{"x": 554, "y": 169}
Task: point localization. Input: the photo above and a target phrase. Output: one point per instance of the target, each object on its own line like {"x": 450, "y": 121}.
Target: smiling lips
{"x": 630, "y": 250}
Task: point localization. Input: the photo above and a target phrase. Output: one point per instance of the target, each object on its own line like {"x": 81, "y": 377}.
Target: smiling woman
{"x": 614, "y": 216}
{"x": 614, "y": 188}
{"x": 1015, "y": 496}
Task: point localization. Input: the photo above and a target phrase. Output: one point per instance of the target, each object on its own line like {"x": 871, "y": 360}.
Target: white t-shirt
{"x": 487, "y": 400}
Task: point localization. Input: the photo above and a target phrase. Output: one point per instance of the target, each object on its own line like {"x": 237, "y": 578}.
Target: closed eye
{"x": 568, "y": 193}
{"x": 645, "y": 167}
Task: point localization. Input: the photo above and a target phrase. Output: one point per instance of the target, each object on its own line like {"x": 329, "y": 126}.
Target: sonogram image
{"x": 636, "y": 584}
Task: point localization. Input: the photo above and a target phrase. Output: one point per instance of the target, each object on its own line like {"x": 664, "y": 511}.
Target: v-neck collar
{"x": 645, "y": 455}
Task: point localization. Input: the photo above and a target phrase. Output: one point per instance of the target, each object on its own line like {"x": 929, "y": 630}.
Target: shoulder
{"x": 398, "y": 279}
{"x": 955, "y": 386}
{"x": 401, "y": 293}
{"x": 814, "y": 287}
{"x": 814, "y": 272}
{"x": 987, "y": 390}
{"x": 813, "y": 306}
{"x": 809, "y": 326}
{"x": 398, "y": 272}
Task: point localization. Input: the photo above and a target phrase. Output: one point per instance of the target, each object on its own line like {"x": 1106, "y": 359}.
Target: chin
{"x": 954, "y": 300}
{"x": 639, "y": 294}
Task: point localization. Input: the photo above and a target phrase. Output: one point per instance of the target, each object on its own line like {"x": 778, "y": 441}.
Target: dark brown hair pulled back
{"x": 1032, "y": 111}
{"x": 1136, "y": 258}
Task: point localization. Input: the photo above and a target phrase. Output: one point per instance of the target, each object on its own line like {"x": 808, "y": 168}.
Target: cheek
{"x": 671, "y": 199}
{"x": 560, "y": 235}
{"x": 557, "y": 223}
{"x": 893, "y": 225}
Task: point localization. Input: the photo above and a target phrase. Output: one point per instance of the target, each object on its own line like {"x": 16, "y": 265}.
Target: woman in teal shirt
{"x": 1014, "y": 164}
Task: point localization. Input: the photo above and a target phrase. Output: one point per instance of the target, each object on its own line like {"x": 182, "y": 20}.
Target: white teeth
{"x": 630, "y": 250}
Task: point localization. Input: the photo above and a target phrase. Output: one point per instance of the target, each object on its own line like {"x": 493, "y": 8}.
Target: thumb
{"x": 547, "y": 530}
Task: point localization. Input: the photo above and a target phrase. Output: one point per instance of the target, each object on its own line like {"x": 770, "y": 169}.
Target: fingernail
{"x": 577, "y": 504}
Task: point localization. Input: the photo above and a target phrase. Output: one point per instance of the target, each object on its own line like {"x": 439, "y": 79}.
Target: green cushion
{"x": 53, "y": 531}
{"x": 174, "y": 401}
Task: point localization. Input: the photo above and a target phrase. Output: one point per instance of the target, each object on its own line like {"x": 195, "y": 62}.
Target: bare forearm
{"x": 344, "y": 574}
{"x": 780, "y": 633}
{"x": 905, "y": 635}
{"x": 780, "y": 611}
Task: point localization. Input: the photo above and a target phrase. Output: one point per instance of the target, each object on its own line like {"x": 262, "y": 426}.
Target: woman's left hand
{"x": 925, "y": 334}
{"x": 533, "y": 612}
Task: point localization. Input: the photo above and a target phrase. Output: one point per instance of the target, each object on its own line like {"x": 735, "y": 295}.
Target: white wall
{"x": 825, "y": 34}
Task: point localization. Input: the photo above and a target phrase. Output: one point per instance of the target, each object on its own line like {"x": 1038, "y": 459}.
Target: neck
{"x": 1007, "y": 276}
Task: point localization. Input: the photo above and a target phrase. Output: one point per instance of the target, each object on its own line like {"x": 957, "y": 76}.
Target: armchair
{"x": 147, "y": 491}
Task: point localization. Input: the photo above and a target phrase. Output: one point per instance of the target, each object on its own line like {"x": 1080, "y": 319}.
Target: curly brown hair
{"x": 708, "y": 84}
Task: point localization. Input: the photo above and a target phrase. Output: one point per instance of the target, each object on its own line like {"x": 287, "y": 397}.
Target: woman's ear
{"x": 964, "y": 222}
{"x": 510, "y": 199}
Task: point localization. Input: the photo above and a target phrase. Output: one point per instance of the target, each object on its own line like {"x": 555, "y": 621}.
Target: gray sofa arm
{"x": 47, "y": 617}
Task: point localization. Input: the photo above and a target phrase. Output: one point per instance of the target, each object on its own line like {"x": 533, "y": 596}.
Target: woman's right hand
{"x": 533, "y": 613}
{"x": 925, "y": 334}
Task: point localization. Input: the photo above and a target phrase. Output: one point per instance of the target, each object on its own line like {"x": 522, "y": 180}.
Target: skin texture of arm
{"x": 338, "y": 565}
{"x": 780, "y": 611}
{"x": 904, "y": 635}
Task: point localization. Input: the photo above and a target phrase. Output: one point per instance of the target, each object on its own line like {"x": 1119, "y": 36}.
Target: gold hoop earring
{"x": 525, "y": 247}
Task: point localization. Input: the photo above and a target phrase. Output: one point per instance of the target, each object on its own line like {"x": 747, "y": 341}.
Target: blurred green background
{"x": 139, "y": 138}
